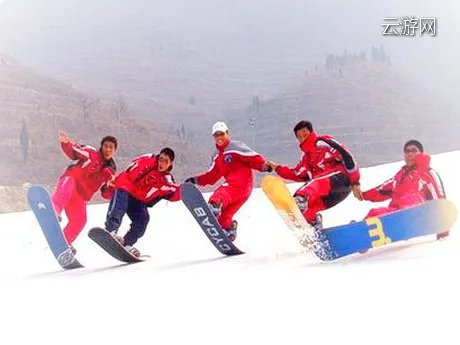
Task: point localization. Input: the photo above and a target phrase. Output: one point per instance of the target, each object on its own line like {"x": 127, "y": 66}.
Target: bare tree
{"x": 49, "y": 101}
{"x": 190, "y": 137}
{"x": 24, "y": 141}
{"x": 85, "y": 107}
{"x": 120, "y": 109}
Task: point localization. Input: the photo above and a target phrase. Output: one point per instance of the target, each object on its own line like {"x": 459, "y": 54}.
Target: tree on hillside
{"x": 330, "y": 61}
{"x": 255, "y": 104}
{"x": 24, "y": 140}
{"x": 382, "y": 54}
{"x": 86, "y": 105}
{"x": 120, "y": 108}
{"x": 49, "y": 101}
{"x": 192, "y": 100}
{"x": 379, "y": 54}
{"x": 182, "y": 132}
{"x": 190, "y": 137}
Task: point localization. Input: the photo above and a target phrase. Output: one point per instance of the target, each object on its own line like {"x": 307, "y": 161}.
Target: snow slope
{"x": 274, "y": 294}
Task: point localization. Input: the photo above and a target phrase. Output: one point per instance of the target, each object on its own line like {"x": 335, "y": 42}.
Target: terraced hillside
{"x": 33, "y": 108}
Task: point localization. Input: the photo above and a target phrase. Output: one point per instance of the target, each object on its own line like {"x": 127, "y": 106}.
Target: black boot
{"x": 216, "y": 208}
{"x": 231, "y": 232}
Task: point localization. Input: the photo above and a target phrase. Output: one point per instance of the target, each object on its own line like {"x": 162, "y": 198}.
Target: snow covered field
{"x": 274, "y": 294}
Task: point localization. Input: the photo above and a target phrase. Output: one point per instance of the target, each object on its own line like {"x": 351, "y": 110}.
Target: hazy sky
{"x": 87, "y": 40}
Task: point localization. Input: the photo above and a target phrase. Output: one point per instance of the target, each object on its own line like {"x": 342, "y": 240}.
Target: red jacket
{"x": 322, "y": 155}
{"x": 410, "y": 185}
{"x": 91, "y": 171}
{"x": 145, "y": 183}
{"x": 234, "y": 162}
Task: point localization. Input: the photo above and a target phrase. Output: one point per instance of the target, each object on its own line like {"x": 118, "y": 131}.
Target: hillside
{"x": 43, "y": 106}
{"x": 369, "y": 106}
{"x": 214, "y": 52}
{"x": 182, "y": 65}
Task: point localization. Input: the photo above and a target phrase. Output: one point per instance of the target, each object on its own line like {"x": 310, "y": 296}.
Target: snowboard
{"x": 429, "y": 218}
{"x": 336, "y": 242}
{"x": 107, "y": 242}
{"x": 198, "y": 207}
{"x": 279, "y": 195}
{"x": 40, "y": 202}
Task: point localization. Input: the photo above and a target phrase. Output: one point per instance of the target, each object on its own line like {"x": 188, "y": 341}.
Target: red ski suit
{"x": 79, "y": 183}
{"x": 409, "y": 187}
{"x": 144, "y": 182}
{"x": 140, "y": 186}
{"x": 234, "y": 162}
{"x": 330, "y": 170}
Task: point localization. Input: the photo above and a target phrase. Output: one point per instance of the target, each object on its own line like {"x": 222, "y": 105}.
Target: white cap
{"x": 219, "y": 127}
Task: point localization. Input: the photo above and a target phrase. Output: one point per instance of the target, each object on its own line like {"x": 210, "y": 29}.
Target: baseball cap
{"x": 219, "y": 127}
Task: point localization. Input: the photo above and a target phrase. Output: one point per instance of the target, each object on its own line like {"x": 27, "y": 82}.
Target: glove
{"x": 266, "y": 167}
{"x": 191, "y": 180}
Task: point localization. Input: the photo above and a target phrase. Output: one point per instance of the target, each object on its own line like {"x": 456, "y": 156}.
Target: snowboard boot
{"x": 72, "y": 248}
{"x": 318, "y": 222}
{"x": 133, "y": 251}
{"x": 442, "y": 235}
{"x": 231, "y": 232}
{"x": 301, "y": 202}
{"x": 120, "y": 239}
{"x": 216, "y": 208}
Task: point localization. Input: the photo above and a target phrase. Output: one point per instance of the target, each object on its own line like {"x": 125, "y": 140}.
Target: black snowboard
{"x": 107, "y": 242}
{"x": 196, "y": 204}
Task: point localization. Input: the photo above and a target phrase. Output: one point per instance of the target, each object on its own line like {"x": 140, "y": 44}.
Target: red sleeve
{"x": 434, "y": 188}
{"x": 300, "y": 173}
{"x": 422, "y": 161}
{"x": 74, "y": 151}
{"x": 256, "y": 161}
{"x": 211, "y": 176}
{"x": 175, "y": 196}
{"x": 382, "y": 192}
{"x": 106, "y": 191}
{"x": 175, "y": 188}
{"x": 348, "y": 160}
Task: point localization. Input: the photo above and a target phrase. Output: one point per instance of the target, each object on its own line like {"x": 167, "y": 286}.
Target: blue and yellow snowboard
{"x": 332, "y": 243}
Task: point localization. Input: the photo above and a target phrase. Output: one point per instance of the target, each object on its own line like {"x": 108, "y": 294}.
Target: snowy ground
{"x": 189, "y": 293}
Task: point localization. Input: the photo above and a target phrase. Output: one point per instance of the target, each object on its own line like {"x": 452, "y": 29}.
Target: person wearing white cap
{"x": 234, "y": 161}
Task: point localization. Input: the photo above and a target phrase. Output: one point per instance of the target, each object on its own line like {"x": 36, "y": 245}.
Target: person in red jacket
{"x": 415, "y": 183}
{"x": 327, "y": 167}
{"x": 234, "y": 161}
{"x": 92, "y": 171}
{"x": 145, "y": 182}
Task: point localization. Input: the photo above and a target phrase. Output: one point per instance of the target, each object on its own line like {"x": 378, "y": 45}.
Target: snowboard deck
{"x": 40, "y": 202}
{"x": 107, "y": 242}
{"x": 198, "y": 207}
